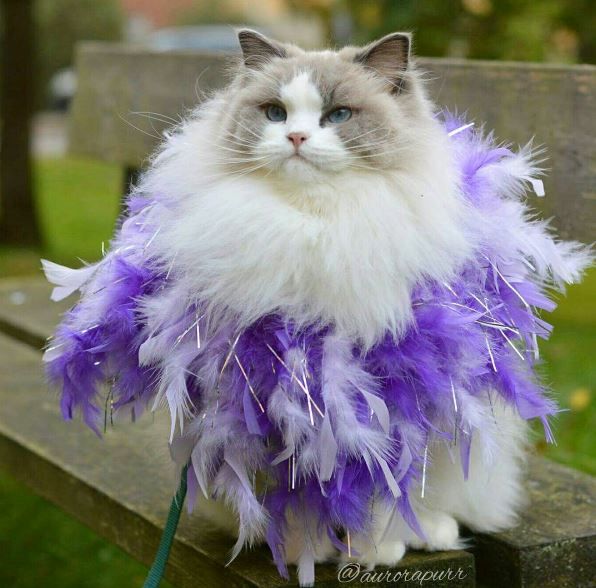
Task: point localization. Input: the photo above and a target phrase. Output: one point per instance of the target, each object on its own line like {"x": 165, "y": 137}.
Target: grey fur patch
{"x": 388, "y": 57}
{"x": 258, "y": 49}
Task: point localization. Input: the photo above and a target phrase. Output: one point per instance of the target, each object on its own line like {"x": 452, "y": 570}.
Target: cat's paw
{"x": 324, "y": 550}
{"x": 297, "y": 553}
{"x": 441, "y": 531}
{"x": 386, "y": 553}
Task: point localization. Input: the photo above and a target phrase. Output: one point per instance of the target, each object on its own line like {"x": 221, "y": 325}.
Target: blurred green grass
{"x": 78, "y": 202}
{"x": 41, "y": 546}
{"x": 570, "y": 371}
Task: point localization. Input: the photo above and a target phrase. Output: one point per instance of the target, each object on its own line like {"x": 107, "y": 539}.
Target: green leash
{"x": 165, "y": 545}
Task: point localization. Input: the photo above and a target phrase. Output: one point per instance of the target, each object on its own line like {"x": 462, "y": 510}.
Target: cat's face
{"x": 304, "y": 115}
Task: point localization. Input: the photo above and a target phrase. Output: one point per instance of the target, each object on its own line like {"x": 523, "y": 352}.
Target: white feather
{"x": 67, "y": 280}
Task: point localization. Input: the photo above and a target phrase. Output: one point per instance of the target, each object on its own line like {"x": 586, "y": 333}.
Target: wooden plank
{"x": 555, "y": 546}
{"x": 554, "y": 104}
{"x": 26, "y": 312}
{"x": 121, "y": 485}
{"x": 115, "y": 81}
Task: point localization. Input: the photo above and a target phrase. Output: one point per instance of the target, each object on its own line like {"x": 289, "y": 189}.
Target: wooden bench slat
{"x": 554, "y": 104}
{"x": 555, "y": 544}
{"x": 26, "y": 312}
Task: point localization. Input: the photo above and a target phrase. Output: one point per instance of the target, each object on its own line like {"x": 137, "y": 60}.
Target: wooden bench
{"x": 112, "y": 484}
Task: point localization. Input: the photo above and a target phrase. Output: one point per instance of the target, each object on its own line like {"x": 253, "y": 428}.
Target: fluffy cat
{"x": 280, "y": 207}
{"x": 322, "y": 187}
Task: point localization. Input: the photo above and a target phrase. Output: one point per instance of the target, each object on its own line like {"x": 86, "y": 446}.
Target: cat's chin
{"x": 298, "y": 165}
{"x": 298, "y": 168}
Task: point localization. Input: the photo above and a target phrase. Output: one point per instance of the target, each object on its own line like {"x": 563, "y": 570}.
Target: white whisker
{"x": 158, "y": 137}
{"x": 157, "y": 116}
{"x": 363, "y": 135}
{"x": 244, "y": 127}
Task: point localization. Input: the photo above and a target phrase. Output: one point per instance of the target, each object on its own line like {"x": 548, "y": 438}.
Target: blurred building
{"x": 156, "y": 13}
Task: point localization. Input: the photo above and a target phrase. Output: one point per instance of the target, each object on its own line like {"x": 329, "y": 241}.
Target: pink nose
{"x": 297, "y": 139}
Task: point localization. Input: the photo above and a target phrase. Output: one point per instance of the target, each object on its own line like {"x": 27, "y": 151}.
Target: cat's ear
{"x": 388, "y": 57}
{"x": 258, "y": 49}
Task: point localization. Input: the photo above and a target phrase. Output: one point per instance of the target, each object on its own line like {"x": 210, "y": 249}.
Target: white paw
{"x": 386, "y": 553}
{"x": 389, "y": 553}
{"x": 441, "y": 530}
{"x": 324, "y": 550}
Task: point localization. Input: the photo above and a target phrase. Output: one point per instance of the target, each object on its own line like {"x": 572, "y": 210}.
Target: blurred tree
{"x": 18, "y": 221}
{"x": 324, "y": 10}
{"x": 62, "y": 23}
{"x": 56, "y": 26}
{"x": 579, "y": 17}
{"x": 524, "y": 30}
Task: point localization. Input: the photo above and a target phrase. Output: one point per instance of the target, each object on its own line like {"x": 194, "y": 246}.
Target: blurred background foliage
{"x": 559, "y": 31}
{"x": 60, "y": 25}
{"x": 520, "y": 30}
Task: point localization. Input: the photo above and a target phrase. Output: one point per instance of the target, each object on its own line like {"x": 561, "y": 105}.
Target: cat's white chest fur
{"x": 346, "y": 251}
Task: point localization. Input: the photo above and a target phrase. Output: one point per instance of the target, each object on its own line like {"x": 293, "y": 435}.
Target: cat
{"x": 322, "y": 187}
{"x": 318, "y": 172}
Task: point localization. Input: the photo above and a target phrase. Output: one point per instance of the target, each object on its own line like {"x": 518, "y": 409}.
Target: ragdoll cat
{"x": 333, "y": 289}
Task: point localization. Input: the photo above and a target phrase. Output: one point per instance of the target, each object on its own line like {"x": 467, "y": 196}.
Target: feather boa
{"x": 324, "y": 424}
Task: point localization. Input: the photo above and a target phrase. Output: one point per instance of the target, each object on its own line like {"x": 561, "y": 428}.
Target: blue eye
{"x": 339, "y": 115}
{"x": 275, "y": 113}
